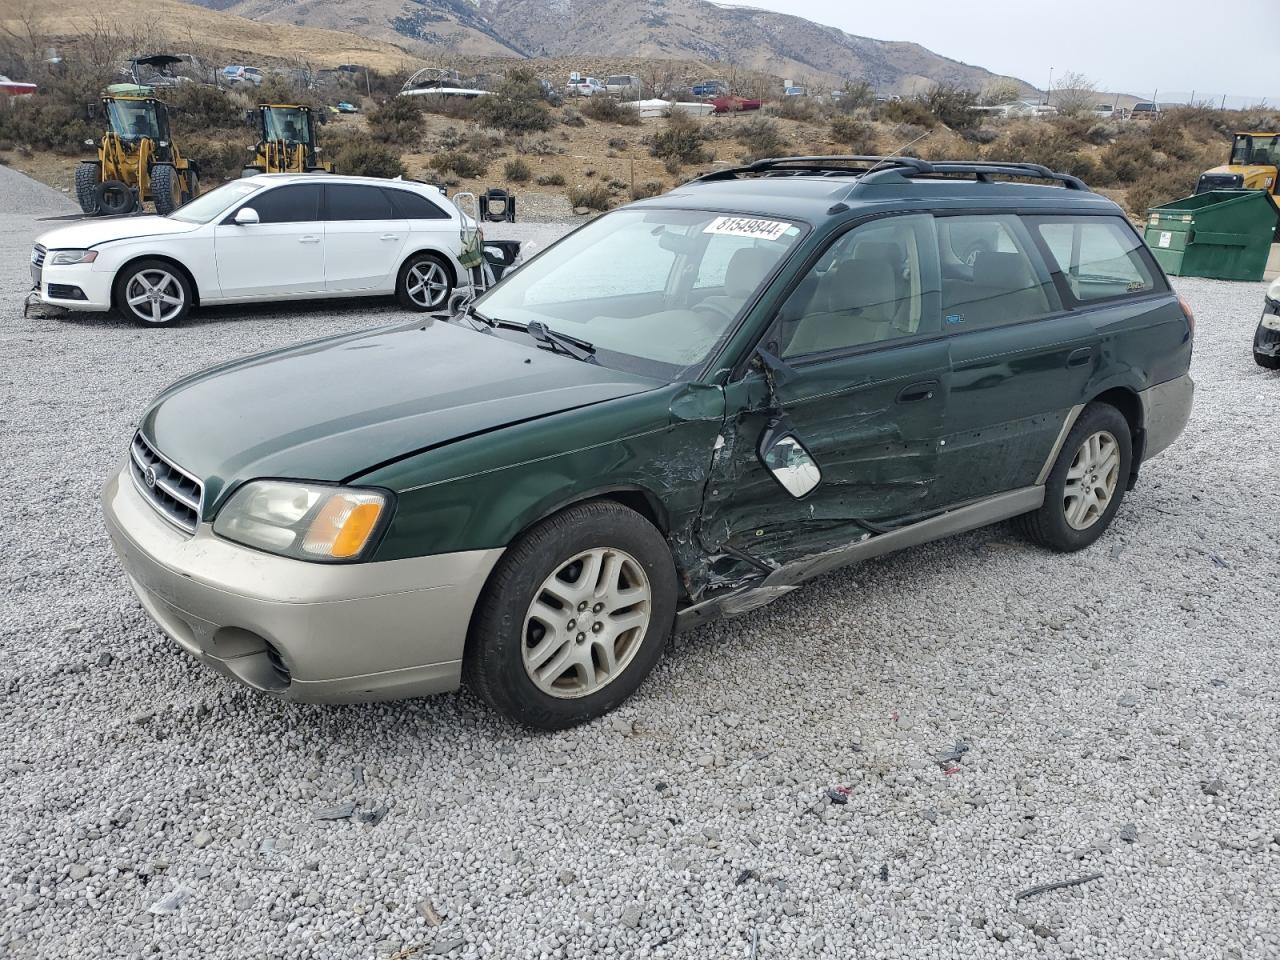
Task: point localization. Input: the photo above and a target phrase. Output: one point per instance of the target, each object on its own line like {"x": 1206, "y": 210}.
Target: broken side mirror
{"x": 786, "y": 458}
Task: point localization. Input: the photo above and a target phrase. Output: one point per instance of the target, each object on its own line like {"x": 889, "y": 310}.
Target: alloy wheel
{"x": 154, "y": 296}
{"x": 1092, "y": 480}
{"x": 427, "y": 284}
{"x": 586, "y": 623}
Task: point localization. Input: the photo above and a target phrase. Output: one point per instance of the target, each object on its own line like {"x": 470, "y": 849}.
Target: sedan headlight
{"x": 304, "y": 521}
{"x": 64, "y": 258}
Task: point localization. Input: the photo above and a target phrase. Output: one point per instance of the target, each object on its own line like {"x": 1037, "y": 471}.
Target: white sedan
{"x": 267, "y": 237}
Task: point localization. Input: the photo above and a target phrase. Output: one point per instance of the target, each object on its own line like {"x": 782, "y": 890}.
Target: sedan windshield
{"x": 652, "y": 290}
{"x": 207, "y": 206}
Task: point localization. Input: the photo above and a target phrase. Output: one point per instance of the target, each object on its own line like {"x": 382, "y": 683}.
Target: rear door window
{"x": 1099, "y": 258}
{"x": 991, "y": 274}
{"x": 351, "y": 201}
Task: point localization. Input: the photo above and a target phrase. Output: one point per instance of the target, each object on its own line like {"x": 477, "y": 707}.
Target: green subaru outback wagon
{"x": 683, "y": 410}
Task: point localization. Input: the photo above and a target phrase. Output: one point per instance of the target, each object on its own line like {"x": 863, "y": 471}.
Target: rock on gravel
{"x": 1024, "y": 656}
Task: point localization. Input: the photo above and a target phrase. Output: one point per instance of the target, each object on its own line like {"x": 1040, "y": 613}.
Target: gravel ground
{"x": 1120, "y": 707}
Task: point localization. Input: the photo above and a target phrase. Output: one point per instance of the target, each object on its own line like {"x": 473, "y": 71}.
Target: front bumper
{"x": 331, "y": 633}
{"x": 1266, "y": 339}
{"x": 53, "y": 283}
{"x": 1166, "y": 408}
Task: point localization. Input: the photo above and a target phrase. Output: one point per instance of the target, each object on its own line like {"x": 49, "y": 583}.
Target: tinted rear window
{"x": 414, "y": 206}
{"x": 349, "y": 201}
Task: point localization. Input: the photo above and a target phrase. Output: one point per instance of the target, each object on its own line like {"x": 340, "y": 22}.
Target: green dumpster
{"x": 1221, "y": 234}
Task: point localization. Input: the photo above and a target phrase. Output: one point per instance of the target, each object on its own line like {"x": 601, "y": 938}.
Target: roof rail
{"x": 870, "y": 169}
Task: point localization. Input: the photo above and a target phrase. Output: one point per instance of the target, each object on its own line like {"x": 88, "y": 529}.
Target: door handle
{"x": 918, "y": 391}
{"x": 391, "y": 236}
{"x": 308, "y": 239}
{"x": 1078, "y": 358}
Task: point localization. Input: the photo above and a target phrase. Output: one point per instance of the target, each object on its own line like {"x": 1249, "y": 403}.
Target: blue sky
{"x": 1135, "y": 46}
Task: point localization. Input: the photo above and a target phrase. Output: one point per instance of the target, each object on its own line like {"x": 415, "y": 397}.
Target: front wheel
{"x": 1087, "y": 482}
{"x": 153, "y": 293}
{"x": 424, "y": 283}
{"x": 166, "y": 188}
{"x": 574, "y": 617}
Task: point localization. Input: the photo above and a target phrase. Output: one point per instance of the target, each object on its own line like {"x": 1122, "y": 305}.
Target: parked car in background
{"x": 1105, "y": 111}
{"x": 681, "y": 411}
{"x": 265, "y": 237}
{"x": 235, "y": 74}
{"x": 795, "y": 91}
{"x": 728, "y": 103}
{"x": 707, "y": 89}
{"x": 623, "y": 85}
{"x": 1266, "y": 339}
{"x": 1144, "y": 111}
{"x": 347, "y": 107}
{"x": 15, "y": 88}
{"x": 580, "y": 86}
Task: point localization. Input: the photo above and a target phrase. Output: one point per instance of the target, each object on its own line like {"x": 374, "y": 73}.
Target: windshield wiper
{"x": 562, "y": 342}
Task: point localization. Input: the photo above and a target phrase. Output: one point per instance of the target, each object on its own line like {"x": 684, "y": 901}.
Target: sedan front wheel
{"x": 153, "y": 293}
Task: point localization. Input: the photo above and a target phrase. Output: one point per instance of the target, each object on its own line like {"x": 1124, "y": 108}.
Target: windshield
{"x": 655, "y": 291}
{"x": 207, "y": 206}
{"x": 290, "y": 125}
{"x": 133, "y": 119}
{"x": 1254, "y": 149}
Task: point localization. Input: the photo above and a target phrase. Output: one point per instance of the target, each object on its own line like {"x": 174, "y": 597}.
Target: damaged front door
{"x": 838, "y": 440}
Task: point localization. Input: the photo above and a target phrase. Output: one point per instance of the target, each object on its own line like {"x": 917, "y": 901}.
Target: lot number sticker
{"x": 747, "y": 227}
{"x": 1166, "y": 238}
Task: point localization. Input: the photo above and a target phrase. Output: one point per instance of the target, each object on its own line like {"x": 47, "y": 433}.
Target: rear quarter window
{"x": 1100, "y": 258}
{"x": 413, "y": 206}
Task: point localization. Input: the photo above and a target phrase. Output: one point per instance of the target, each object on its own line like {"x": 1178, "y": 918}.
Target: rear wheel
{"x": 425, "y": 283}
{"x": 1087, "y": 482}
{"x": 574, "y": 617}
{"x": 153, "y": 293}
{"x": 191, "y": 189}
{"x": 166, "y": 188}
{"x": 87, "y": 177}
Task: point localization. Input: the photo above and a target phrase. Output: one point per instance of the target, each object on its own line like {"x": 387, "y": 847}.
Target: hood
{"x": 333, "y": 409}
{"x": 93, "y": 231}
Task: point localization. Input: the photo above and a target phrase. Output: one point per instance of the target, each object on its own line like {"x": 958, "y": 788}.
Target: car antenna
{"x": 897, "y": 151}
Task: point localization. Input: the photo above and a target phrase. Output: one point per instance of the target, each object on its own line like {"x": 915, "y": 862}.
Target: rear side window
{"x": 1099, "y": 257}
{"x": 350, "y": 201}
{"x": 991, "y": 275}
{"x": 293, "y": 204}
{"x": 414, "y": 206}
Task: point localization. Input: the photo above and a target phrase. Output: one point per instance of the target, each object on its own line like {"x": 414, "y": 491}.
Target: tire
{"x": 192, "y": 188}
{"x": 166, "y": 188}
{"x": 1266, "y": 362}
{"x": 87, "y": 177}
{"x": 138, "y": 279}
{"x": 506, "y": 662}
{"x": 425, "y": 282}
{"x": 1073, "y": 516}
{"x": 250, "y": 172}
{"x": 114, "y": 198}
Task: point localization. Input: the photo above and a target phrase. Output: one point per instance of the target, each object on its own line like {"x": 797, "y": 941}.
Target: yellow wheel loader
{"x": 137, "y": 161}
{"x": 1254, "y": 165}
{"x": 286, "y": 141}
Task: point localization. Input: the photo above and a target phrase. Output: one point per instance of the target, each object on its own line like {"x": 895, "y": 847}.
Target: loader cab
{"x": 1255, "y": 149}
{"x": 286, "y": 141}
{"x": 290, "y": 124}
{"x": 1254, "y": 164}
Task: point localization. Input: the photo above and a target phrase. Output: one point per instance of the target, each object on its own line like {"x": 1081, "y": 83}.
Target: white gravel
{"x": 1126, "y": 692}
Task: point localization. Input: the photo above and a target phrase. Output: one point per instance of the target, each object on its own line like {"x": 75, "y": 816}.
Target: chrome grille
{"x": 174, "y": 493}
{"x": 37, "y": 255}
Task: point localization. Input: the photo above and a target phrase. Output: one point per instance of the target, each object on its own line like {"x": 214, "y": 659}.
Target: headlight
{"x": 63, "y": 258}
{"x": 304, "y": 521}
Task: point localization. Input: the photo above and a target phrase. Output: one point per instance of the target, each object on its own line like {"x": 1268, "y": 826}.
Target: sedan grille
{"x": 175, "y": 494}
{"x": 37, "y": 255}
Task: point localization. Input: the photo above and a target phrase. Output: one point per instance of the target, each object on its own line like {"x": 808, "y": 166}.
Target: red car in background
{"x": 15, "y": 88}
{"x": 730, "y": 103}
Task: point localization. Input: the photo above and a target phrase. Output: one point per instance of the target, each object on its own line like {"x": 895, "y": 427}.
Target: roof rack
{"x": 869, "y": 169}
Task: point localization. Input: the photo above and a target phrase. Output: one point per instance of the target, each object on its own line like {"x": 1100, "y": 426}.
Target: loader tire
{"x": 192, "y": 189}
{"x": 166, "y": 188}
{"x": 114, "y": 198}
{"x": 87, "y": 177}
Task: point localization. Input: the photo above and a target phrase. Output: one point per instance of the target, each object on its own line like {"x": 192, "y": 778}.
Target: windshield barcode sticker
{"x": 747, "y": 227}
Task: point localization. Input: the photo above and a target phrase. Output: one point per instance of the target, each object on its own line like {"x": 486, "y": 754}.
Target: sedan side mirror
{"x": 786, "y": 458}
{"x": 246, "y": 215}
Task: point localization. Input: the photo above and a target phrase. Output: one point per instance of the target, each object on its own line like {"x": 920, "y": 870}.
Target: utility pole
{"x": 1048, "y": 95}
